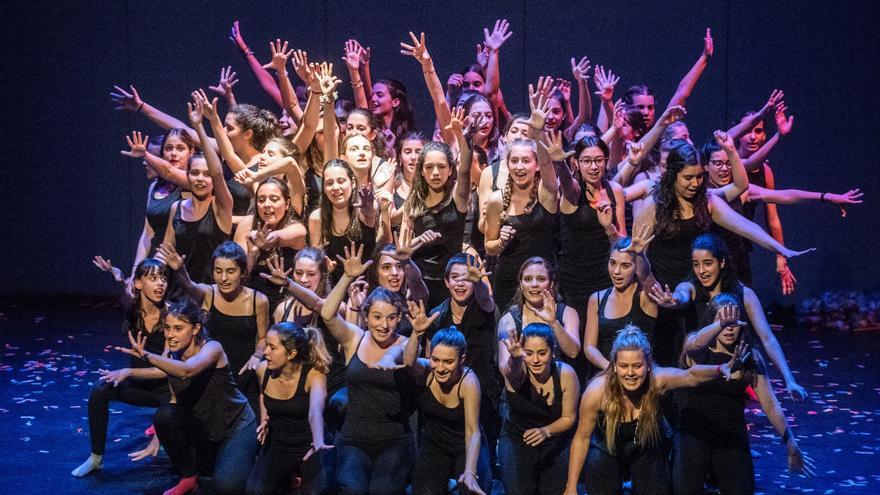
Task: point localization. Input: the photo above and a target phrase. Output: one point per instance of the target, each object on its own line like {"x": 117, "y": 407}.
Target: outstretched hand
{"x": 552, "y": 143}
{"x": 106, "y": 266}
{"x": 351, "y": 263}
{"x": 277, "y": 274}
{"x": 418, "y": 317}
{"x": 500, "y": 34}
{"x": 166, "y": 254}
{"x": 227, "y": 81}
{"x": 137, "y": 145}
{"x": 640, "y": 240}
{"x": 661, "y": 295}
{"x": 130, "y": 101}
{"x": 605, "y": 82}
{"x": 418, "y": 50}
{"x": 708, "y": 44}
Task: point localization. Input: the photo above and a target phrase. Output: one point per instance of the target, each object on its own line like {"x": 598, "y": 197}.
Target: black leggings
{"x": 435, "y": 467}
{"x": 139, "y": 393}
{"x": 728, "y": 455}
{"x": 275, "y": 465}
{"x": 527, "y": 470}
{"x": 605, "y": 473}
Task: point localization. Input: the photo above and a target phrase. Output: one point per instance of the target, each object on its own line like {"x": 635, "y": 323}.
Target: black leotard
{"x": 289, "y": 418}
{"x": 608, "y": 327}
{"x": 197, "y": 240}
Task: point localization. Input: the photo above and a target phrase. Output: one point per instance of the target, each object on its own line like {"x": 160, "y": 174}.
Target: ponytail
{"x": 319, "y": 358}
{"x": 307, "y": 342}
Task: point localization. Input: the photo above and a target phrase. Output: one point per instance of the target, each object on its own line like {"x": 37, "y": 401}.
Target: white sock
{"x": 95, "y": 462}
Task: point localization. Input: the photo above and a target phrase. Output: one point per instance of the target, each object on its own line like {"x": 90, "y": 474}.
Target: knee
{"x": 166, "y": 415}
{"x": 101, "y": 391}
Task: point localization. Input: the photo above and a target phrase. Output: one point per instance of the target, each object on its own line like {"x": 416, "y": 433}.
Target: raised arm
{"x": 723, "y": 215}
{"x": 750, "y": 121}
{"x": 168, "y": 255}
{"x": 697, "y": 342}
{"x": 605, "y": 82}
{"x": 131, "y": 101}
{"x": 122, "y": 291}
{"x": 549, "y": 150}
{"x": 352, "y": 59}
{"x": 137, "y": 144}
{"x": 419, "y": 51}
{"x": 309, "y": 126}
{"x": 740, "y": 182}
{"x": 771, "y": 345}
{"x": 224, "y": 86}
{"x": 462, "y": 192}
{"x": 510, "y": 352}
{"x": 420, "y": 322}
{"x": 263, "y": 77}
{"x": 209, "y": 110}
{"x": 492, "y": 43}
{"x": 222, "y": 196}
{"x": 566, "y": 331}
{"x": 580, "y": 71}
{"x": 686, "y": 86}
{"x": 344, "y": 332}
{"x": 289, "y": 102}
{"x": 783, "y": 127}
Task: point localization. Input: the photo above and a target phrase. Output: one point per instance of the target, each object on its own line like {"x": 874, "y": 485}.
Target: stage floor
{"x": 53, "y": 349}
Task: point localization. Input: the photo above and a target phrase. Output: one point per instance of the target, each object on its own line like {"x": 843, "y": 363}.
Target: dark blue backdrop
{"x": 68, "y": 194}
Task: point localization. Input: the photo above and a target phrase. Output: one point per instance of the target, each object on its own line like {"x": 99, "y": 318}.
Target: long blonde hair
{"x": 631, "y": 338}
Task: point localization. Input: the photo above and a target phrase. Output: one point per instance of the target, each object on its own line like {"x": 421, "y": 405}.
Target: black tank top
{"x": 449, "y": 223}
{"x": 289, "y": 418}
{"x": 336, "y": 375}
{"x": 314, "y": 190}
{"x": 214, "y": 400}
{"x": 158, "y": 210}
{"x": 237, "y": 334}
{"x": 242, "y": 196}
{"x": 534, "y": 237}
{"x": 736, "y": 245}
{"x": 197, "y": 241}
{"x": 608, "y": 327}
{"x": 583, "y": 262}
{"x": 337, "y": 243}
{"x": 442, "y": 426}
{"x": 579, "y": 362}
{"x": 670, "y": 254}
{"x": 379, "y": 403}
{"x": 529, "y": 410}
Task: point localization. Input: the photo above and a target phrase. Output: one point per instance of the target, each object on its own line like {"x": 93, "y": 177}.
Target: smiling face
{"x": 534, "y": 281}
{"x": 277, "y": 356}
{"x": 631, "y": 369}
{"x": 307, "y": 273}
{"x": 382, "y": 319}
{"x": 445, "y": 363}
{"x": 436, "y": 170}
{"x": 179, "y": 333}
{"x": 591, "y": 164}
{"x": 537, "y": 355}
{"x": 621, "y": 269}
{"x": 460, "y": 288}
{"x": 390, "y": 273}
{"x": 152, "y": 285}
{"x": 337, "y": 186}
{"x": 645, "y": 106}
{"x": 272, "y": 206}
{"x": 481, "y": 110}
{"x": 381, "y": 102}
{"x": 719, "y": 169}
{"x": 706, "y": 267}
{"x": 688, "y": 181}
{"x": 358, "y": 123}
{"x": 522, "y": 165}
{"x": 359, "y": 153}
{"x": 555, "y": 115}
{"x": 227, "y": 275}
{"x": 199, "y": 177}
{"x": 176, "y": 152}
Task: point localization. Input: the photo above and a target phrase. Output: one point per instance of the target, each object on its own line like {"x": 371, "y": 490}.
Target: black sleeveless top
{"x": 670, "y": 254}
{"x": 534, "y": 237}
{"x": 158, "y": 210}
{"x": 237, "y": 334}
{"x": 529, "y": 410}
{"x": 449, "y": 223}
{"x": 625, "y": 442}
{"x": 289, "y": 418}
{"x": 214, "y": 400}
{"x": 442, "y": 426}
{"x": 579, "y": 362}
{"x": 379, "y": 403}
{"x": 197, "y": 240}
{"x": 336, "y": 375}
{"x": 608, "y": 327}
{"x": 242, "y": 196}
{"x": 736, "y": 245}
{"x": 314, "y": 190}
{"x": 583, "y": 261}
{"x": 337, "y": 243}
{"x": 274, "y": 293}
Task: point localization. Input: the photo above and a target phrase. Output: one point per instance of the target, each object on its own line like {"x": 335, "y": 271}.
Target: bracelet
{"x": 357, "y": 84}
{"x": 325, "y": 100}
{"x": 430, "y": 72}
{"x": 822, "y": 197}
{"x": 354, "y": 309}
{"x": 248, "y": 52}
{"x": 142, "y": 106}
{"x": 718, "y": 370}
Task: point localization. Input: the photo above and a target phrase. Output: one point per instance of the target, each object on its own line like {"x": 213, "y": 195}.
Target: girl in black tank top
{"x": 451, "y": 444}
{"x": 158, "y": 210}
{"x": 542, "y": 399}
{"x": 293, "y": 390}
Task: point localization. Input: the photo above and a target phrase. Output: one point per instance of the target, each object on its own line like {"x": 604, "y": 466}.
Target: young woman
{"x": 139, "y": 384}
{"x": 337, "y": 222}
{"x": 293, "y": 391}
{"x": 200, "y": 223}
{"x": 590, "y": 223}
{"x": 439, "y": 203}
{"x": 168, "y": 179}
{"x": 208, "y": 421}
{"x": 626, "y": 302}
{"x": 621, "y": 428}
{"x": 520, "y": 220}
{"x": 535, "y": 301}
{"x": 451, "y": 444}
{"x": 542, "y": 401}
{"x": 712, "y": 274}
{"x": 238, "y": 315}
{"x": 408, "y": 151}
{"x": 710, "y": 431}
{"x": 373, "y": 453}
{"x": 390, "y": 105}
{"x": 272, "y": 231}
{"x": 279, "y": 160}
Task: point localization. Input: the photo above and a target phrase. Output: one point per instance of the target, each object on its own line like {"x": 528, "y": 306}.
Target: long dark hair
{"x": 134, "y": 321}
{"x": 727, "y": 279}
{"x": 285, "y": 192}
{"x": 518, "y": 300}
{"x": 380, "y": 148}
{"x": 667, "y": 209}
{"x": 187, "y": 310}
{"x": 415, "y": 206}
{"x": 402, "y": 119}
{"x": 353, "y": 229}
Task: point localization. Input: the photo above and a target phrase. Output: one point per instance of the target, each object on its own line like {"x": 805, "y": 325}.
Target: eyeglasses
{"x": 720, "y": 163}
{"x": 591, "y": 161}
